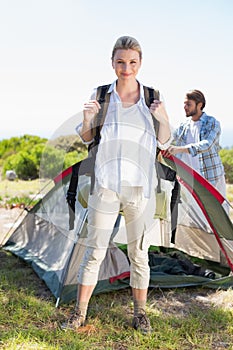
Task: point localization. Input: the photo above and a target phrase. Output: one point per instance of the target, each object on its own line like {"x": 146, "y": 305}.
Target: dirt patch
{"x": 181, "y": 302}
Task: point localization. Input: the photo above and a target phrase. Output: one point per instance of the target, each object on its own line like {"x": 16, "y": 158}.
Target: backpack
{"x": 103, "y": 97}
{"x": 163, "y": 171}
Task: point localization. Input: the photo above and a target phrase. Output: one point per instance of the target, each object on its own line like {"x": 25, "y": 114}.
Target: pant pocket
{"x": 145, "y": 242}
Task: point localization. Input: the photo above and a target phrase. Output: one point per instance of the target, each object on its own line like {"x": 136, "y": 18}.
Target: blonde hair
{"x": 126, "y": 43}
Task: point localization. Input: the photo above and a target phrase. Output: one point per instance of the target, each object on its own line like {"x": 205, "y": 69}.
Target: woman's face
{"x": 126, "y": 63}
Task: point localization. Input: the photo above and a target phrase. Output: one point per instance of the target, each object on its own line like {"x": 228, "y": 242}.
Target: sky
{"x": 54, "y": 52}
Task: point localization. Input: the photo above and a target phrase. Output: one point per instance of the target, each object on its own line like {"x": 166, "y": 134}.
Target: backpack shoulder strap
{"x": 103, "y": 97}
{"x": 101, "y": 93}
{"x": 151, "y": 95}
{"x": 163, "y": 171}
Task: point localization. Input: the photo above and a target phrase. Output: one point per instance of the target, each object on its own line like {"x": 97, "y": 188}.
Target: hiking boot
{"x": 142, "y": 323}
{"x": 75, "y": 321}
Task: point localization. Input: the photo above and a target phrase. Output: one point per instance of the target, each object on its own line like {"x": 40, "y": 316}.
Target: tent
{"x": 204, "y": 232}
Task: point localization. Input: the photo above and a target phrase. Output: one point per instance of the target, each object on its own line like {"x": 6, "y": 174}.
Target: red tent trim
{"x": 123, "y": 275}
{"x": 196, "y": 197}
{"x": 199, "y": 178}
{"x": 211, "y": 189}
{"x": 62, "y": 175}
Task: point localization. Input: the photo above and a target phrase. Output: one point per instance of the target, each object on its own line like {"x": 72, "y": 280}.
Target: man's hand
{"x": 172, "y": 150}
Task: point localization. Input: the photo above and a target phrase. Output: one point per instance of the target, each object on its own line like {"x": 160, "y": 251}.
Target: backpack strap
{"x": 103, "y": 97}
{"x": 175, "y": 200}
{"x": 163, "y": 171}
{"x": 151, "y": 95}
{"x": 71, "y": 194}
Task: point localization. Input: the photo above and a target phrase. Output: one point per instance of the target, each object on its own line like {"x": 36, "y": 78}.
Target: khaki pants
{"x": 103, "y": 209}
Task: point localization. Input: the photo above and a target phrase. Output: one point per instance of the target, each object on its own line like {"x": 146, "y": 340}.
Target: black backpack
{"x": 163, "y": 171}
{"x": 103, "y": 97}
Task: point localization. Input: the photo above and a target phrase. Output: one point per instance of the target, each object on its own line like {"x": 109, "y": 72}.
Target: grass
{"x": 18, "y": 192}
{"x": 19, "y": 187}
{"x": 182, "y": 319}
{"x": 20, "y": 202}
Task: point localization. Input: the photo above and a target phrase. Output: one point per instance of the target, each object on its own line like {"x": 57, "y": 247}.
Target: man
{"x": 197, "y": 141}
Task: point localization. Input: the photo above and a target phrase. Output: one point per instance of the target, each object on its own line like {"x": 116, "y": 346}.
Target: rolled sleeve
{"x": 192, "y": 150}
{"x": 165, "y": 145}
{"x": 78, "y": 130}
{"x": 79, "y": 127}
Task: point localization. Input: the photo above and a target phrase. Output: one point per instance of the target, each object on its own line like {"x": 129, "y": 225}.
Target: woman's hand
{"x": 158, "y": 111}
{"x": 91, "y": 108}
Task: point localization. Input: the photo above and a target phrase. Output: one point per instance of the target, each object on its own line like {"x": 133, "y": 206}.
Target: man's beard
{"x": 192, "y": 113}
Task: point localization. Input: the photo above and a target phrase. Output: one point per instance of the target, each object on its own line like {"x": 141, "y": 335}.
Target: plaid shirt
{"x": 207, "y": 148}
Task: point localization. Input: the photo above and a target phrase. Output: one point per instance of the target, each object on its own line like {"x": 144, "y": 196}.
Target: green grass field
{"x": 182, "y": 319}
{"x": 19, "y": 191}
{"x": 33, "y": 187}
{"x": 21, "y": 188}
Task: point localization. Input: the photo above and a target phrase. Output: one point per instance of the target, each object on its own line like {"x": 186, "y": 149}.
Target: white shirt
{"x": 193, "y": 136}
{"x": 127, "y": 149}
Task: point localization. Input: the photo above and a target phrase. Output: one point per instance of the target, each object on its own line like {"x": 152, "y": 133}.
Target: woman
{"x": 125, "y": 179}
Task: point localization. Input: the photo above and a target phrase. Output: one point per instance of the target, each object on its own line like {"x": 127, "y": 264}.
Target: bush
{"x": 17, "y": 144}
{"x": 23, "y": 164}
{"x": 74, "y": 157}
{"x": 31, "y": 156}
{"x": 227, "y": 160}
{"x": 52, "y": 162}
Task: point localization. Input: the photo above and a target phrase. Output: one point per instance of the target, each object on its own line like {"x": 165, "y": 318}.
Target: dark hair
{"x": 126, "y": 43}
{"x": 197, "y": 96}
